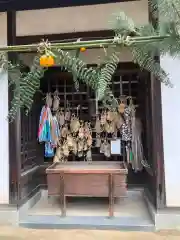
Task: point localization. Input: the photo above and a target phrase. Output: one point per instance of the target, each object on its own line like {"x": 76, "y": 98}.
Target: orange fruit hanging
{"x": 82, "y": 49}
{"x": 47, "y": 61}
{"x": 42, "y": 60}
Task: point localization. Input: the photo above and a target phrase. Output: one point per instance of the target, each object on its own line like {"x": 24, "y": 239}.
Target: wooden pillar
{"x": 14, "y": 127}
{"x": 157, "y": 136}
{"x": 157, "y": 142}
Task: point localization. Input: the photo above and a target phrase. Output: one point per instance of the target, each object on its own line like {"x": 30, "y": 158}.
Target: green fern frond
{"x": 122, "y": 25}
{"x": 166, "y": 10}
{"x": 170, "y": 45}
{"x": 86, "y": 75}
{"x": 31, "y": 83}
{"x": 25, "y": 88}
{"x": 106, "y": 74}
{"x": 143, "y": 53}
{"x": 97, "y": 79}
{"x": 147, "y": 30}
{"x": 146, "y": 61}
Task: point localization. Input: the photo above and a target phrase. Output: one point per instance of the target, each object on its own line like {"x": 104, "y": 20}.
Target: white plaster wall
{"x": 77, "y": 19}
{"x": 4, "y": 129}
{"x": 171, "y": 131}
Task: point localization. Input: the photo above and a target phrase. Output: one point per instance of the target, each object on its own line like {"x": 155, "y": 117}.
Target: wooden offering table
{"x": 91, "y": 179}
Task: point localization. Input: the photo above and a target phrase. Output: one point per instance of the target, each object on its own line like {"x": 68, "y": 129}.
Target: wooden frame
{"x": 33, "y": 4}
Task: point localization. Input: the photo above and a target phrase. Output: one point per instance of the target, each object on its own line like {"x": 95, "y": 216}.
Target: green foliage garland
{"x": 144, "y": 42}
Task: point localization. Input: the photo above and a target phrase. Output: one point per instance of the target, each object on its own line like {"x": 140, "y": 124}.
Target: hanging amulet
{"x": 56, "y": 102}
{"x": 61, "y": 118}
{"x": 49, "y": 100}
{"x": 67, "y": 116}
{"x": 121, "y": 108}
{"x": 74, "y": 124}
{"x": 103, "y": 118}
{"x": 98, "y": 125}
{"x": 81, "y": 133}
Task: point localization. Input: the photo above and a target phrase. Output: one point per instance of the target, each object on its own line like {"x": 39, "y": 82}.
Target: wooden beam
{"x": 20, "y": 5}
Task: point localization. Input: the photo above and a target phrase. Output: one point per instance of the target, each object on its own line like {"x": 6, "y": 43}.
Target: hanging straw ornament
{"x": 61, "y": 118}
{"x": 102, "y": 147}
{"x": 103, "y": 118}
{"x": 89, "y": 141}
{"x": 118, "y": 121}
{"x": 131, "y": 106}
{"x": 56, "y": 101}
{"x": 98, "y": 141}
{"x": 114, "y": 135}
{"x": 75, "y": 124}
{"x": 85, "y": 148}
{"x": 109, "y": 127}
{"x": 80, "y": 145}
{"x": 74, "y": 148}
{"x": 107, "y": 149}
{"x": 110, "y": 116}
{"x": 70, "y": 141}
{"x": 80, "y": 148}
{"x": 81, "y": 131}
{"x": 58, "y": 155}
{"x": 67, "y": 113}
{"x": 65, "y": 149}
{"x": 122, "y": 105}
{"x": 49, "y": 100}
{"x": 64, "y": 131}
{"x": 87, "y": 130}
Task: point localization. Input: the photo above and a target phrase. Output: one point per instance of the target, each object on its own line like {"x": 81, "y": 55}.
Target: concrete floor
{"x": 132, "y": 206}
{"x": 12, "y": 233}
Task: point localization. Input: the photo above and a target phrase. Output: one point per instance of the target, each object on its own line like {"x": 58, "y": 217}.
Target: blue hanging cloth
{"x": 45, "y": 131}
{"x": 49, "y": 150}
{"x": 43, "y": 128}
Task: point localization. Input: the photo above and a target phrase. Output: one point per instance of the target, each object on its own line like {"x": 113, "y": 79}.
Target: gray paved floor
{"x": 12, "y": 233}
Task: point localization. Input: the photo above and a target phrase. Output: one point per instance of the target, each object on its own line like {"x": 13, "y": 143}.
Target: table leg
{"x": 111, "y": 195}
{"x": 62, "y": 196}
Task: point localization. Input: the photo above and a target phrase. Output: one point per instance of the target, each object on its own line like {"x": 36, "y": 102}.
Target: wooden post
{"x": 62, "y": 196}
{"x": 111, "y": 195}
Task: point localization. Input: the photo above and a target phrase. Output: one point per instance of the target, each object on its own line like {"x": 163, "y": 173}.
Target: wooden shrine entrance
{"x": 28, "y": 171}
